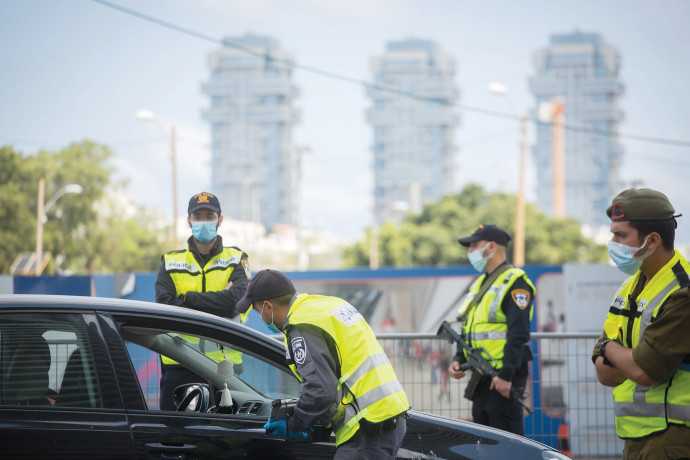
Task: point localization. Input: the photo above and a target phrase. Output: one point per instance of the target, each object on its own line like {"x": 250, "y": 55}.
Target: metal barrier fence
{"x": 572, "y": 410}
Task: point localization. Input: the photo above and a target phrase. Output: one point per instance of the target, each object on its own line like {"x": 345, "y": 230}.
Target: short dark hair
{"x": 665, "y": 228}
{"x": 284, "y": 299}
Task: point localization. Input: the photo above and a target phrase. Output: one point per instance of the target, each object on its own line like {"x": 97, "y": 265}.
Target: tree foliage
{"x": 430, "y": 238}
{"x": 85, "y": 233}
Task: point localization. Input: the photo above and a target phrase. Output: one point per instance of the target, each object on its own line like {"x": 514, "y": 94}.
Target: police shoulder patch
{"x": 247, "y": 270}
{"x": 521, "y": 297}
{"x": 299, "y": 349}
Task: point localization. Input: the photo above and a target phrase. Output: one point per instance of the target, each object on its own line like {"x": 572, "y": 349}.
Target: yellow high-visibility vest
{"x": 641, "y": 410}
{"x": 368, "y": 386}
{"x": 188, "y": 276}
{"x": 485, "y": 324}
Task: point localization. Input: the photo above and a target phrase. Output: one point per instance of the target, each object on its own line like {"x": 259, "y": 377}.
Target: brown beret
{"x": 640, "y": 204}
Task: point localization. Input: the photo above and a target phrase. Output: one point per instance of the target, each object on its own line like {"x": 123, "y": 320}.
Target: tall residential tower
{"x": 413, "y": 118}
{"x": 252, "y": 116}
{"x": 582, "y": 72}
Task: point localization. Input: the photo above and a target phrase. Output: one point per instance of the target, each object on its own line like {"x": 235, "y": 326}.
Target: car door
{"x": 204, "y": 434}
{"x": 58, "y": 396}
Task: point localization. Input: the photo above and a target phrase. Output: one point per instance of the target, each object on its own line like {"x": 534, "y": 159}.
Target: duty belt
{"x": 386, "y": 425}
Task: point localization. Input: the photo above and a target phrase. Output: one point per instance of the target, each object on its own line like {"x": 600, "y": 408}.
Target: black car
{"x": 79, "y": 379}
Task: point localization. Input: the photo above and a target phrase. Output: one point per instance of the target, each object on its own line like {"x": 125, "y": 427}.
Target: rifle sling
{"x": 488, "y": 281}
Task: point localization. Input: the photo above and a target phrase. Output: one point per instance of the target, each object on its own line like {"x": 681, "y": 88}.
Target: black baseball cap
{"x": 265, "y": 285}
{"x": 203, "y": 200}
{"x": 486, "y": 232}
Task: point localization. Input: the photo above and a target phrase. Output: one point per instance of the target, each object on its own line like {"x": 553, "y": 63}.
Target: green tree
{"x": 86, "y": 233}
{"x": 17, "y": 207}
{"x": 430, "y": 238}
{"x": 120, "y": 243}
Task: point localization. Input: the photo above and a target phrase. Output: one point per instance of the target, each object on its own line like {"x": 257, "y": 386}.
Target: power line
{"x": 373, "y": 86}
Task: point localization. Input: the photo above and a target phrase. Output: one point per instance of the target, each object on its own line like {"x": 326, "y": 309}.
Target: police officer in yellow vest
{"x": 347, "y": 382}
{"x": 205, "y": 276}
{"x": 496, "y": 313}
{"x": 644, "y": 351}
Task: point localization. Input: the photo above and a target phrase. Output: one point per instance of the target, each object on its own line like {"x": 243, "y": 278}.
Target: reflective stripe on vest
{"x": 500, "y": 292}
{"x": 368, "y": 386}
{"x": 485, "y": 323}
{"x": 642, "y": 410}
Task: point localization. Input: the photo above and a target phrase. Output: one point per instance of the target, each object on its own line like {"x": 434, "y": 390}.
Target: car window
{"x": 45, "y": 361}
{"x": 252, "y": 378}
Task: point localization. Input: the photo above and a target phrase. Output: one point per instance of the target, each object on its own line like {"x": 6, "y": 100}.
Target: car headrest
{"x": 27, "y": 374}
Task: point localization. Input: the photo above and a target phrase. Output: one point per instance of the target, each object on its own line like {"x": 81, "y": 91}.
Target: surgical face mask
{"x": 272, "y": 327}
{"x": 205, "y": 231}
{"x": 477, "y": 258}
{"x": 624, "y": 256}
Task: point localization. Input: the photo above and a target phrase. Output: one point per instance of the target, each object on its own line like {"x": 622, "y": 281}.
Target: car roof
{"x": 91, "y": 303}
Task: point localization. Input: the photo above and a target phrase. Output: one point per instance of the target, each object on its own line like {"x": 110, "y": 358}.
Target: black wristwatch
{"x": 602, "y": 347}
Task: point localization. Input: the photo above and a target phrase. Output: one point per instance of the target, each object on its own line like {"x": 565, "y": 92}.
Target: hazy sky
{"x": 76, "y": 69}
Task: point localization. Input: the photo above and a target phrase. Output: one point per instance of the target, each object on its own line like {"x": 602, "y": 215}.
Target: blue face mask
{"x": 624, "y": 256}
{"x": 205, "y": 231}
{"x": 477, "y": 258}
{"x": 272, "y": 327}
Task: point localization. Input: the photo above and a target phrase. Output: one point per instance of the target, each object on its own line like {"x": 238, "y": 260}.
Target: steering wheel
{"x": 199, "y": 392}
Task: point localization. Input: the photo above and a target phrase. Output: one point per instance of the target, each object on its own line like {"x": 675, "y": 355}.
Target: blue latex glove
{"x": 276, "y": 427}
{"x": 279, "y": 428}
{"x": 302, "y": 435}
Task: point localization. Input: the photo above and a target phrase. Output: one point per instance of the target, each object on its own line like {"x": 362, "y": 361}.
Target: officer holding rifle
{"x": 496, "y": 312}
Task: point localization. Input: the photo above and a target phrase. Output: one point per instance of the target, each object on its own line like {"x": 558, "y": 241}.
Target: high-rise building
{"x": 252, "y": 116}
{"x": 581, "y": 71}
{"x": 413, "y": 118}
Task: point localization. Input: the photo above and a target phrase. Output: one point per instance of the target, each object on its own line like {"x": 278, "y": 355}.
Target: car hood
{"x": 434, "y": 437}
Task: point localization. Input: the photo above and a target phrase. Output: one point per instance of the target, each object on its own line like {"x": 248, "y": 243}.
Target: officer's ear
{"x": 189, "y": 222}
{"x": 220, "y": 221}
{"x": 653, "y": 241}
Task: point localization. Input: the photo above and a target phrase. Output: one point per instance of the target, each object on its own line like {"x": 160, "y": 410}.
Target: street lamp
{"x": 42, "y": 212}
{"x": 519, "y": 245}
{"x": 147, "y": 115}
{"x": 302, "y": 253}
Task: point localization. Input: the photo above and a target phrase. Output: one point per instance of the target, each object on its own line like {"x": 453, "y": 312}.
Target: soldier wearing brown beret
{"x": 644, "y": 351}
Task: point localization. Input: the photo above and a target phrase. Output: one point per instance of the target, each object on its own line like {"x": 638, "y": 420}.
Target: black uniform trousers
{"x": 491, "y": 409}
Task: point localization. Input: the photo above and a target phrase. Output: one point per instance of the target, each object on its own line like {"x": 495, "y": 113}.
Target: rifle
{"x": 480, "y": 367}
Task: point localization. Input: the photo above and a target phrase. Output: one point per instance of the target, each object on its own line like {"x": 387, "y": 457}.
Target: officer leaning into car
{"x": 204, "y": 276}
{"x": 496, "y": 312}
{"x": 347, "y": 382}
{"x": 644, "y": 350}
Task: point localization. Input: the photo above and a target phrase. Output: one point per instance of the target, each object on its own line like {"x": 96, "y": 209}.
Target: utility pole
{"x": 39, "y": 226}
{"x": 558, "y": 160}
{"x": 173, "y": 159}
{"x": 374, "y": 246}
{"x": 519, "y": 243}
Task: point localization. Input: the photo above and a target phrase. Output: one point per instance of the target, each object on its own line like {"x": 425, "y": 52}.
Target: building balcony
{"x": 218, "y": 115}
{"x": 273, "y": 114}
